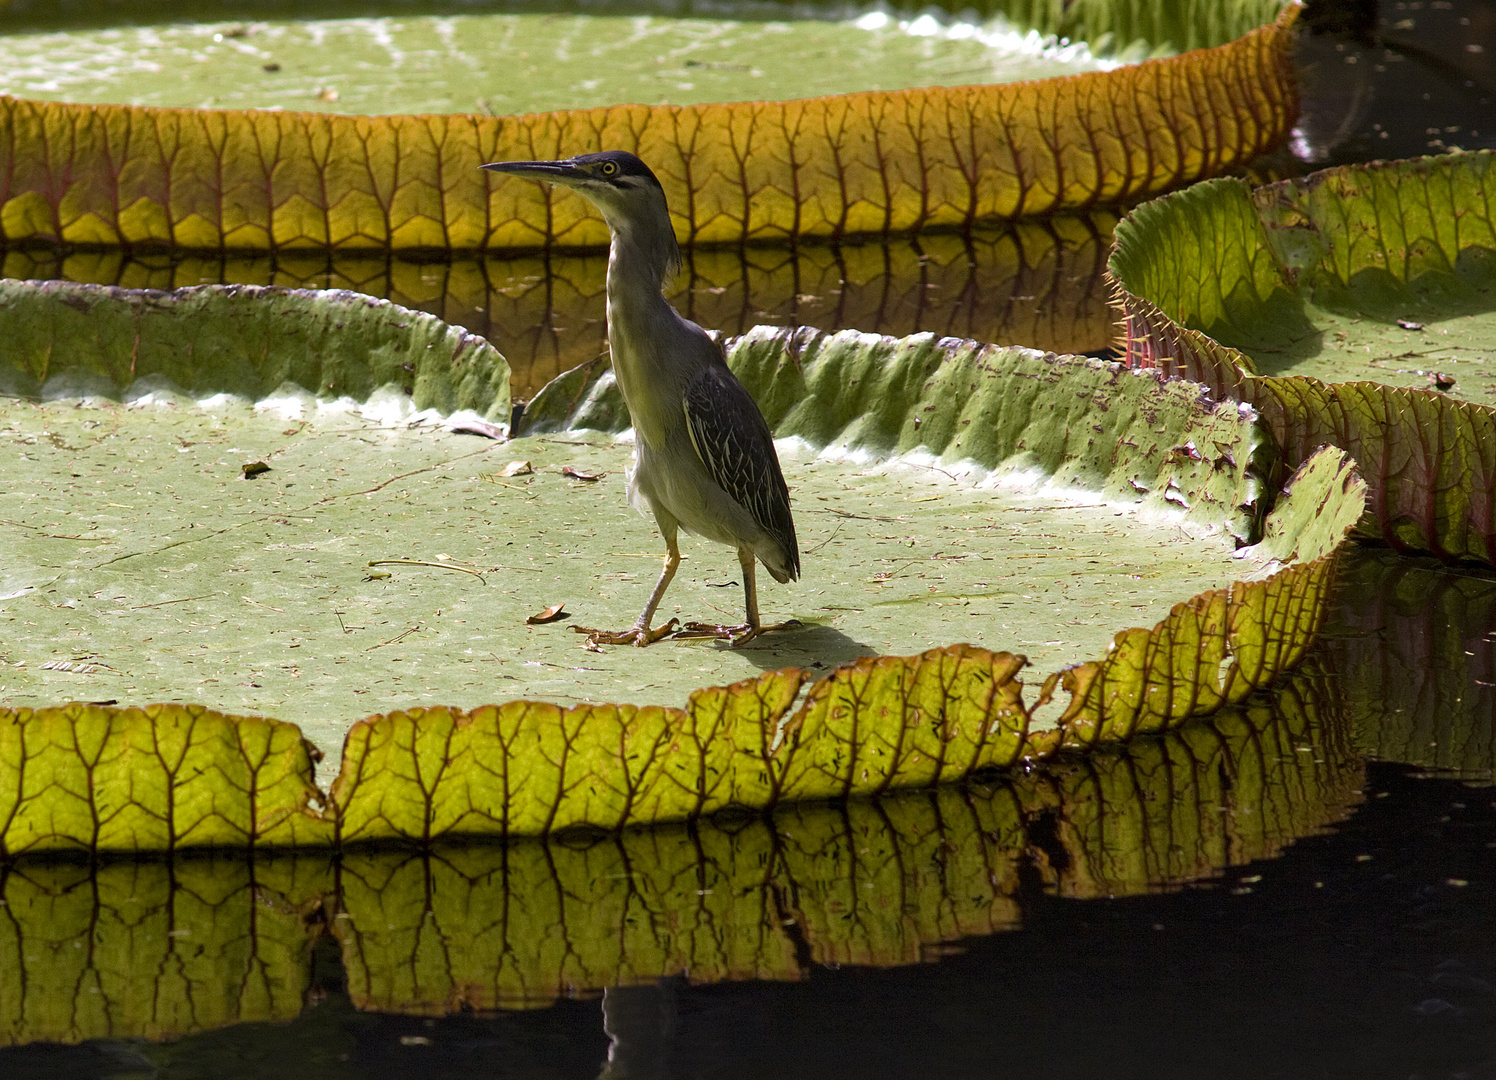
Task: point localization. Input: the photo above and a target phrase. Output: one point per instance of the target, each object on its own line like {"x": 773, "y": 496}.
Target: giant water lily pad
{"x": 1360, "y": 301}
{"x": 874, "y": 162}
{"x": 1384, "y": 272}
{"x": 946, "y": 483}
{"x": 179, "y": 579}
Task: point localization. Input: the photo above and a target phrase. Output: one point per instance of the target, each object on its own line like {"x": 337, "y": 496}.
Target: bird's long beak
{"x": 555, "y": 172}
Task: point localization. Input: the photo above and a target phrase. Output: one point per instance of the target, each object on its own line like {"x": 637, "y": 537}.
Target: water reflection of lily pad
{"x": 1040, "y": 285}
{"x": 1415, "y": 649}
{"x": 194, "y": 944}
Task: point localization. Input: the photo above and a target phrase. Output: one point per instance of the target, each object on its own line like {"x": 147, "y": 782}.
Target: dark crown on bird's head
{"x": 617, "y": 167}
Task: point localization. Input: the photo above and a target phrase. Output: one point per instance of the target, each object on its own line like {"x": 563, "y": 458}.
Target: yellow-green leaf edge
{"x": 184, "y": 945}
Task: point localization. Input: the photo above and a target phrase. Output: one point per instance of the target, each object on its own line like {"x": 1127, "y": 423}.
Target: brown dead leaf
{"x": 252, "y": 469}
{"x": 474, "y": 426}
{"x": 517, "y": 468}
{"x": 550, "y": 614}
{"x": 578, "y": 474}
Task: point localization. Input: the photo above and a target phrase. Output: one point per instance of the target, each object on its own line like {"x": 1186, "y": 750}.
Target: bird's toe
{"x": 634, "y": 635}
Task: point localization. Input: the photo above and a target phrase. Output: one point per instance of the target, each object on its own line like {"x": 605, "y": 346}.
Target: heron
{"x": 704, "y": 460}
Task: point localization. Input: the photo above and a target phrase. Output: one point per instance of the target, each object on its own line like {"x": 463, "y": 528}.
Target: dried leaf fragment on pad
{"x": 550, "y": 614}
{"x": 476, "y": 426}
{"x": 440, "y": 565}
{"x": 78, "y": 667}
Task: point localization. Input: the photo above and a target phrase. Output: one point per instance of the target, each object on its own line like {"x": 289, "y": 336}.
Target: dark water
{"x": 1307, "y": 889}
{"x": 1352, "y": 956}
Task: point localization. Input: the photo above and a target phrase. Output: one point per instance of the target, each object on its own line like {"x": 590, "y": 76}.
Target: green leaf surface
{"x": 1126, "y": 25}
{"x": 64, "y": 339}
{"x": 1384, "y": 272}
{"x": 1319, "y": 505}
{"x": 976, "y": 411}
{"x": 86, "y": 778}
{"x": 386, "y": 58}
{"x": 1430, "y": 461}
{"x": 510, "y": 62}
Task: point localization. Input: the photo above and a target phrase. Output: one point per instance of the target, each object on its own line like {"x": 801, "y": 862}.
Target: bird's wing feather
{"x": 733, "y": 442}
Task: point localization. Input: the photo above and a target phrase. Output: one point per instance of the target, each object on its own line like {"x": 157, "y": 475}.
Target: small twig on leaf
{"x": 422, "y": 562}
{"x": 398, "y": 637}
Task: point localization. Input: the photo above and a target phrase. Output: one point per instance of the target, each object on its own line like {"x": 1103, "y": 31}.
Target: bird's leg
{"x": 640, "y": 633}
{"x": 740, "y": 635}
{"x": 667, "y": 572}
{"x": 750, "y": 598}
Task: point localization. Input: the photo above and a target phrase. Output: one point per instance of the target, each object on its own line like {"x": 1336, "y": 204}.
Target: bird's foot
{"x": 735, "y": 636}
{"x": 634, "y": 635}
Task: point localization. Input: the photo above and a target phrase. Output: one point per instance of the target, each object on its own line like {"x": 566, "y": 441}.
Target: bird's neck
{"x": 636, "y": 275}
{"x": 641, "y": 324}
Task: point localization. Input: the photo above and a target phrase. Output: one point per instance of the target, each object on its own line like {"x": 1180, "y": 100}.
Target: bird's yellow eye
{"x": 609, "y": 168}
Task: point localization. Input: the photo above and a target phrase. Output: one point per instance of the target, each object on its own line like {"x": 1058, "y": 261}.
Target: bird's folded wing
{"x": 733, "y": 441}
